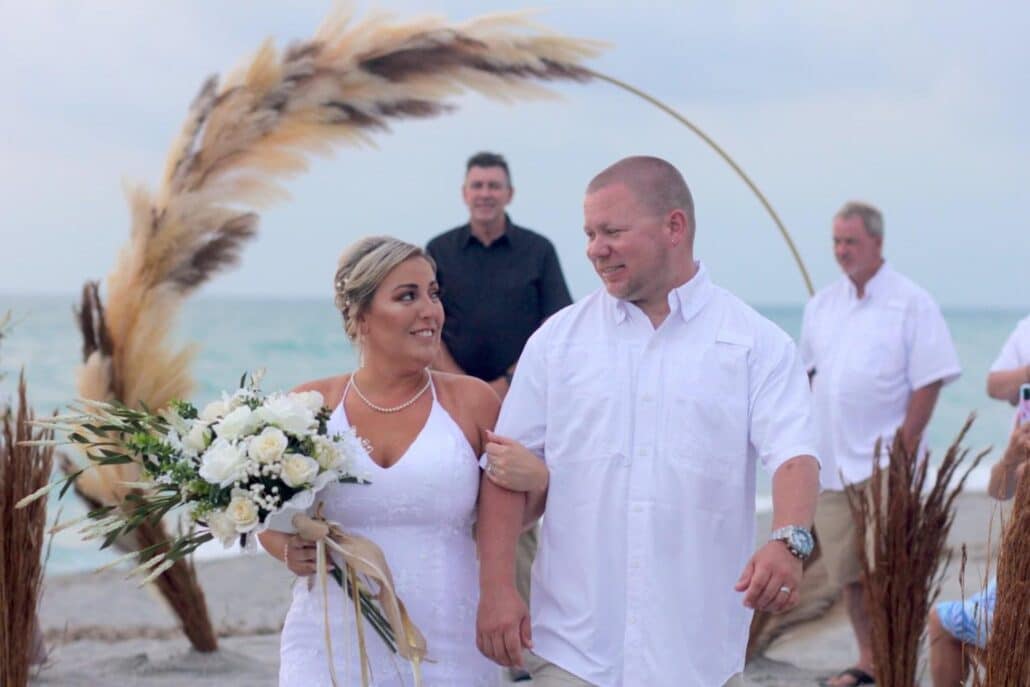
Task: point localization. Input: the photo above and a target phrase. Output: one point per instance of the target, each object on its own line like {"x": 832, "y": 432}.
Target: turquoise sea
{"x": 298, "y": 340}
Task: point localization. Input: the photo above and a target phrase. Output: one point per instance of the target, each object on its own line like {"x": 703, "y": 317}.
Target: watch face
{"x": 802, "y": 541}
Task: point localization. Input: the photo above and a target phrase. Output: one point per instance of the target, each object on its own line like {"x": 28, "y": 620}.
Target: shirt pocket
{"x": 584, "y": 422}
{"x": 708, "y": 417}
{"x": 882, "y": 353}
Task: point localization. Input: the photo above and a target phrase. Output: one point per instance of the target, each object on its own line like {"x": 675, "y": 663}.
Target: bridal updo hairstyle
{"x": 360, "y": 271}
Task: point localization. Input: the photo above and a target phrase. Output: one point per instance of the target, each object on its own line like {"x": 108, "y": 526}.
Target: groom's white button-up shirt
{"x": 651, "y": 436}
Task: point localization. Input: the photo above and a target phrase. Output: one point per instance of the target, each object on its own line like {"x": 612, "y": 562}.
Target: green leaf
{"x": 114, "y": 460}
{"x": 69, "y": 481}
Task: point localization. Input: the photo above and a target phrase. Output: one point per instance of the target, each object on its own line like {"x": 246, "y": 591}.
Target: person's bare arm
{"x": 502, "y": 622}
{"x": 514, "y": 467}
{"x": 917, "y": 414}
{"x": 1004, "y": 384}
{"x": 795, "y": 490}
{"x": 300, "y": 557}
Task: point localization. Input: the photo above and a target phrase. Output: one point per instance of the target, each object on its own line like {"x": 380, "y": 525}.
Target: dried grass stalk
{"x": 23, "y": 470}
{"x": 241, "y": 138}
{"x": 5, "y": 323}
{"x": 909, "y": 527}
{"x": 1007, "y": 654}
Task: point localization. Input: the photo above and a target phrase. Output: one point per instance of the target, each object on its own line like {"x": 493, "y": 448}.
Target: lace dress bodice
{"x": 420, "y": 512}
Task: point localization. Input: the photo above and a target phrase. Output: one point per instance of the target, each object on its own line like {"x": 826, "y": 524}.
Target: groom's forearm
{"x": 795, "y": 490}
{"x": 499, "y": 524}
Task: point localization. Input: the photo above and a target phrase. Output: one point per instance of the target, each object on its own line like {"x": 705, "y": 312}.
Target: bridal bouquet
{"x": 238, "y": 466}
{"x": 234, "y": 465}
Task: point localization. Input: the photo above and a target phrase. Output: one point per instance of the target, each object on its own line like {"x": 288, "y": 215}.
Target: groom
{"x": 650, "y": 400}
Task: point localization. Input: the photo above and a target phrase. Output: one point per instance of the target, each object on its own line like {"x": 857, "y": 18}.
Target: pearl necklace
{"x": 354, "y": 385}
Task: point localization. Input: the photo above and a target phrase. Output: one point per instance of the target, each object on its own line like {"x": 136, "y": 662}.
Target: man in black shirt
{"x": 499, "y": 282}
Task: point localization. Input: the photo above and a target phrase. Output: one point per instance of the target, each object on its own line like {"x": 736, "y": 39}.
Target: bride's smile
{"x": 402, "y": 323}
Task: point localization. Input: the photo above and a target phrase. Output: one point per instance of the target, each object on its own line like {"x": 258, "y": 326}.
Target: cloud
{"x": 818, "y": 101}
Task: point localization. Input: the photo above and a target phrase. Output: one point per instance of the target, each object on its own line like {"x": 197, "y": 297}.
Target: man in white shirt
{"x": 651, "y": 400}
{"x": 877, "y": 351}
{"x": 1012, "y": 368}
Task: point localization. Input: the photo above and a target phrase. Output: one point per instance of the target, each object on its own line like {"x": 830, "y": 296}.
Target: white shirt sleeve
{"x": 524, "y": 411}
{"x": 805, "y": 347}
{"x": 781, "y": 411}
{"x": 1009, "y": 358}
{"x": 931, "y": 351}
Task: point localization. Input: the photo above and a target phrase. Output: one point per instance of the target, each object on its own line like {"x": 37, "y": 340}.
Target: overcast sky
{"x": 920, "y": 108}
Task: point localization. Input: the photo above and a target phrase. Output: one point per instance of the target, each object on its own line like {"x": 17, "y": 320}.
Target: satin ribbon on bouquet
{"x": 361, "y": 559}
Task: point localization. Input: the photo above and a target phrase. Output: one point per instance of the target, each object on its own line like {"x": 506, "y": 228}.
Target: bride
{"x": 423, "y": 431}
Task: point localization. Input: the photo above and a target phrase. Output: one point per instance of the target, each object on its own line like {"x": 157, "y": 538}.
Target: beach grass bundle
{"x": 23, "y": 470}
{"x": 1007, "y": 654}
{"x": 908, "y": 526}
{"x": 242, "y": 137}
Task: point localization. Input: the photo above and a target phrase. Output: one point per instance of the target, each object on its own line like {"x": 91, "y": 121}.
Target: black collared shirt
{"x": 495, "y": 296}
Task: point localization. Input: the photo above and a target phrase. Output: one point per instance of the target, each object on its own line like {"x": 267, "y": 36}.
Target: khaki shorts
{"x": 838, "y": 536}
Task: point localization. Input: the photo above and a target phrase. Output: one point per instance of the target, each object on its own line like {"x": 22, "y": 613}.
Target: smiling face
{"x": 487, "y": 192}
{"x": 404, "y": 319}
{"x": 630, "y": 248}
{"x": 858, "y": 253}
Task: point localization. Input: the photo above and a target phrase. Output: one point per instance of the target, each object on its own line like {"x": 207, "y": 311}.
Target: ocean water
{"x": 299, "y": 340}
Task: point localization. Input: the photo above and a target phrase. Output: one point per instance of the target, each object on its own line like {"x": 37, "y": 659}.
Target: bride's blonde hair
{"x": 362, "y": 268}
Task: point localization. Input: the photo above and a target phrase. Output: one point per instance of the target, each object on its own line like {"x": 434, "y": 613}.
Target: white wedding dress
{"x": 420, "y": 512}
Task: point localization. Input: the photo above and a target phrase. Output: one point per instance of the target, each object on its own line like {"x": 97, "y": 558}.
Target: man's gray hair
{"x": 871, "y": 217}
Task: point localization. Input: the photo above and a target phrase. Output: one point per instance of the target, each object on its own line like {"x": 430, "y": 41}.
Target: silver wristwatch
{"x": 798, "y": 539}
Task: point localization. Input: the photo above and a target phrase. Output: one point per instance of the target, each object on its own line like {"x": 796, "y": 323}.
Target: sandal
{"x": 861, "y": 677}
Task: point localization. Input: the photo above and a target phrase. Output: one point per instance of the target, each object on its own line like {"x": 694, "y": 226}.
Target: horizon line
{"x": 327, "y": 298}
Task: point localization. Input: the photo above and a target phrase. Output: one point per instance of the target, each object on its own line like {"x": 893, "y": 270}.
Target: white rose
{"x": 298, "y": 470}
{"x": 222, "y": 463}
{"x": 327, "y": 454}
{"x": 198, "y": 438}
{"x": 214, "y": 410}
{"x": 268, "y": 446}
{"x": 312, "y": 400}
{"x": 288, "y": 414}
{"x": 237, "y": 423}
{"x": 222, "y": 526}
{"x": 243, "y": 512}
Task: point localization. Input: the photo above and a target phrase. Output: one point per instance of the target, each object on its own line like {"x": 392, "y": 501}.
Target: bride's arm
{"x": 298, "y": 555}
{"x": 514, "y": 467}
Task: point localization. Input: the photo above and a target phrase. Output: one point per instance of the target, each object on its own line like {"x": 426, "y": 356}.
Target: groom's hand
{"x": 502, "y": 626}
{"x": 770, "y": 571}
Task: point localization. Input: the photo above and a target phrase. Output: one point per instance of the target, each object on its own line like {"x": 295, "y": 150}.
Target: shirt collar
{"x": 685, "y": 301}
{"x": 876, "y": 286}
{"x": 468, "y": 238}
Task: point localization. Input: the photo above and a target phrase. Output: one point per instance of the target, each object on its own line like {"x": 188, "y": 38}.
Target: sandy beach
{"x": 103, "y": 630}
